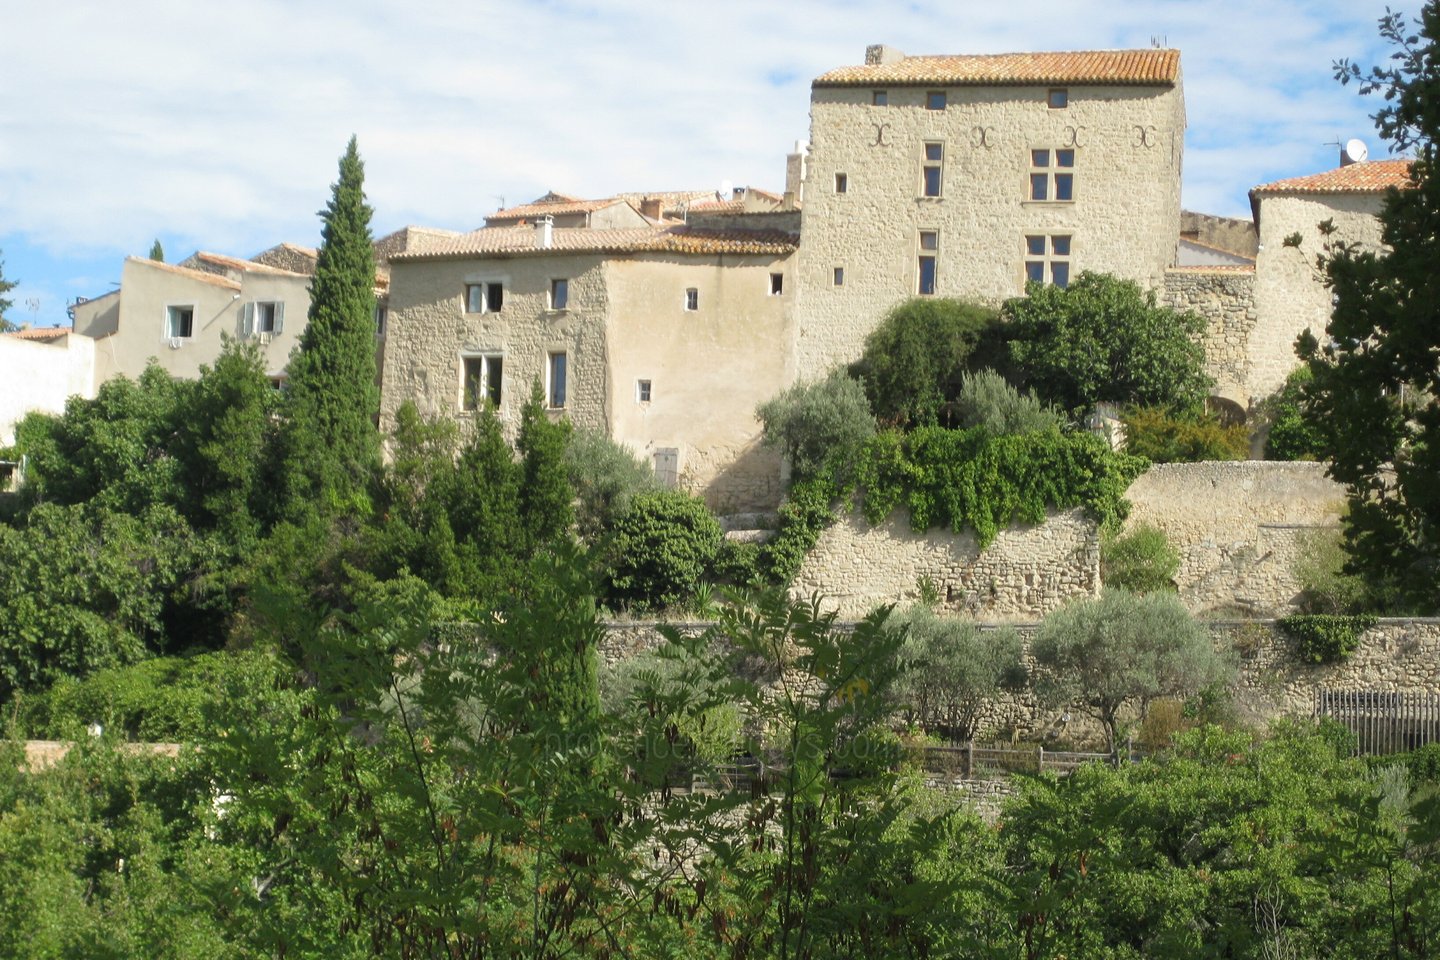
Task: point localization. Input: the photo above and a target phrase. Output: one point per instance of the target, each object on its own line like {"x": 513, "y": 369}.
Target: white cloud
{"x": 219, "y": 125}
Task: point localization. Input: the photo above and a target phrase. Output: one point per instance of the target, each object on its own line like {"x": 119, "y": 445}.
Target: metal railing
{"x": 1383, "y": 721}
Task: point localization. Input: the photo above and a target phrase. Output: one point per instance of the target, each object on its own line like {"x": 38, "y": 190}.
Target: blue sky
{"x": 218, "y": 126}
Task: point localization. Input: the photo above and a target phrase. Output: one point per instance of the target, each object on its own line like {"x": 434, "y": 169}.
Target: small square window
{"x": 929, "y": 240}
{"x": 777, "y": 284}
{"x": 839, "y": 276}
{"x": 692, "y": 299}
{"x": 880, "y": 98}
{"x": 642, "y": 391}
{"x": 1035, "y": 246}
{"x": 842, "y": 183}
{"x": 559, "y": 294}
{"x": 179, "y": 322}
{"x": 934, "y": 152}
{"x": 555, "y": 387}
{"x": 1060, "y": 246}
{"x": 935, "y": 100}
{"x": 1039, "y": 158}
{"x": 1059, "y": 98}
{"x": 484, "y": 297}
{"x": 1064, "y": 158}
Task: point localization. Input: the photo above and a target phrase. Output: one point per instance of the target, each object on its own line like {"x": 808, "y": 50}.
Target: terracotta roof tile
{"x": 550, "y": 208}
{"x": 235, "y": 263}
{"x": 1119, "y": 67}
{"x": 39, "y": 333}
{"x": 200, "y": 275}
{"x": 520, "y": 241}
{"x": 1372, "y": 176}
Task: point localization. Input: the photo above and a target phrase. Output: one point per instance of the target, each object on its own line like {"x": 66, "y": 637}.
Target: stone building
{"x": 965, "y": 176}
{"x": 664, "y": 336}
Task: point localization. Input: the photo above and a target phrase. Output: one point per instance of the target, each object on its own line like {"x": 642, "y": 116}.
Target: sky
{"x": 218, "y": 126}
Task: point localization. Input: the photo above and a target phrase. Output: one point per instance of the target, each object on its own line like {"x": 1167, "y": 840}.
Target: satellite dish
{"x": 726, "y": 188}
{"x": 1355, "y": 151}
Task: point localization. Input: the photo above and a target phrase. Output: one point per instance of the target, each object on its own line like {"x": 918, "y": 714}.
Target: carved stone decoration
{"x": 980, "y": 137}
{"x": 880, "y": 129}
{"x": 1145, "y": 136}
{"x": 1072, "y": 135}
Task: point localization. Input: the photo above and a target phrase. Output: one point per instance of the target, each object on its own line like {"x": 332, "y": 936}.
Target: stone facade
{"x": 1025, "y": 573}
{"x": 1225, "y": 297}
{"x": 1240, "y": 527}
{"x": 665, "y": 351}
{"x": 865, "y": 204}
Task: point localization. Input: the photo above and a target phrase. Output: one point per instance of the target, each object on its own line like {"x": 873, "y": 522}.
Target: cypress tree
{"x": 331, "y": 448}
{"x": 546, "y": 497}
{"x": 5, "y": 287}
{"x": 157, "y": 252}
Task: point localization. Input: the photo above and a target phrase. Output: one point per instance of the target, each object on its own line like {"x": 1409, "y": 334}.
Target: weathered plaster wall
{"x": 1024, "y": 574}
{"x": 1240, "y": 526}
{"x": 41, "y": 376}
{"x": 1124, "y": 218}
{"x": 1225, "y": 297}
{"x": 1289, "y": 293}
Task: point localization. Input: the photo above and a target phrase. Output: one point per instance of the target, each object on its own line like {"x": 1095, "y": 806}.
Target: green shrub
{"x": 1294, "y": 434}
{"x": 1424, "y": 764}
{"x": 1162, "y": 437}
{"x": 950, "y": 670}
{"x": 808, "y": 509}
{"x": 606, "y": 476}
{"x": 1325, "y": 638}
{"x": 818, "y": 423}
{"x": 1325, "y": 587}
{"x": 660, "y": 549}
{"x": 738, "y": 564}
{"x": 672, "y": 681}
{"x": 914, "y": 360}
{"x": 987, "y": 400}
{"x": 1142, "y": 561}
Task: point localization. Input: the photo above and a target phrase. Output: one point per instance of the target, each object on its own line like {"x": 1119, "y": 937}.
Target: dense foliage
{"x": 914, "y": 360}
{"x": 1102, "y": 339}
{"x": 1163, "y": 437}
{"x": 1141, "y": 560}
{"x": 951, "y": 671}
{"x": 1326, "y": 638}
{"x": 605, "y": 476}
{"x": 660, "y": 549}
{"x": 1377, "y": 375}
{"x": 818, "y": 425}
{"x": 987, "y": 400}
{"x": 1292, "y": 432}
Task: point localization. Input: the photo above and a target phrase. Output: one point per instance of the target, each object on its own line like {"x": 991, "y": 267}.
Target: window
{"x": 1059, "y": 98}
{"x": 777, "y": 284}
{"x": 931, "y": 169}
{"x": 839, "y": 276}
{"x": 880, "y": 98}
{"x": 842, "y": 183}
{"x": 382, "y": 316}
{"x": 692, "y": 299}
{"x": 484, "y": 297}
{"x": 262, "y": 318}
{"x": 555, "y": 381}
{"x": 935, "y": 100}
{"x": 559, "y": 294}
{"x": 482, "y": 379}
{"x": 179, "y": 322}
{"x": 642, "y": 391}
{"x": 929, "y": 247}
{"x": 1047, "y": 259}
{"x": 1052, "y": 175}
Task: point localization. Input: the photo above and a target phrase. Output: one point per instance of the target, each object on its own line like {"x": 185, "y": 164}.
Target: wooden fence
{"x": 1383, "y": 721}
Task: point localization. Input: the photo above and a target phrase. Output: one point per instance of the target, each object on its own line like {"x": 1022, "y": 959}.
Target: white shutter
{"x": 280, "y": 316}
{"x": 247, "y": 322}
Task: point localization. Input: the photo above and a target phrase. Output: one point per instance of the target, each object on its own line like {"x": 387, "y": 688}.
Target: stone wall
{"x": 1024, "y": 574}
{"x": 1240, "y": 526}
{"x": 1225, "y": 298}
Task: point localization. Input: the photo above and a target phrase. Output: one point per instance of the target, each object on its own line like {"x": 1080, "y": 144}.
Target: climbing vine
{"x": 1326, "y": 638}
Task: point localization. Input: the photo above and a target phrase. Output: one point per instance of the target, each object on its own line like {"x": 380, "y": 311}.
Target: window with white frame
{"x": 180, "y": 321}
{"x": 260, "y": 316}
{"x": 559, "y": 293}
{"x": 1047, "y": 258}
{"x": 692, "y": 299}
{"x": 555, "y": 379}
{"x": 642, "y": 391}
{"x": 925, "y": 267}
{"x": 481, "y": 377}
{"x": 932, "y": 170}
{"x": 1052, "y": 175}
{"x": 484, "y": 297}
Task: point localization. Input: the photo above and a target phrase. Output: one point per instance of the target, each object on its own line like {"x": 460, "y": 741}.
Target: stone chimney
{"x": 795, "y": 176}
{"x": 650, "y": 207}
{"x": 545, "y": 233}
{"x": 878, "y": 53}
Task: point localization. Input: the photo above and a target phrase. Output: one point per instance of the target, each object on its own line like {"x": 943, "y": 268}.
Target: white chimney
{"x": 545, "y": 233}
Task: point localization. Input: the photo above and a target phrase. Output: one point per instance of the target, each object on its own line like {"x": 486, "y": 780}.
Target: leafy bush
{"x": 808, "y": 509}
{"x": 914, "y": 360}
{"x": 818, "y": 423}
{"x": 971, "y": 478}
{"x": 1124, "y": 648}
{"x": 676, "y": 687}
{"x": 606, "y": 476}
{"x": 1325, "y": 638}
{"x": 1162, "y": 437}
{"x": 659, "y": 550}
{"x": 1293, "y": 433}
{"x": 950, "y": 670}
{"x": 1102, "y": 339}
{"x": 1325, "y": 587}
{"x": 987, "y": 400}
{"x": 1142, "y": 560}
{"x": 738, "y": 564}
